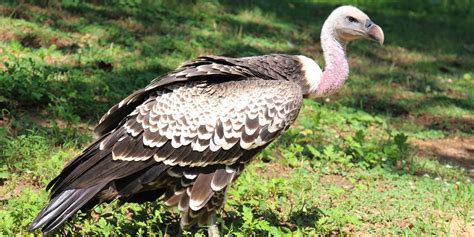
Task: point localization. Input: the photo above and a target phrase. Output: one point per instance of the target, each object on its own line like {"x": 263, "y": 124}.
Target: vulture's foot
{"x": 213, "y": 229}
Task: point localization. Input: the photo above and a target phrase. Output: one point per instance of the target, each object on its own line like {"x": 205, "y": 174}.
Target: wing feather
{"x": 207, "y": 120}
{"x": 189, "y": 71}
{"x": 201, "y": 191}
{"x": 221, "y": 179}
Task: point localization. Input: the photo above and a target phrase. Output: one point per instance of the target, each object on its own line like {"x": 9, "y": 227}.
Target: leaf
{"x": 4, "y": 174}
{"x": 247, "y": 214}
{"x": 313, "y": 150}
{"x": 401, "y": 141}
{"x": 359, "y": 137}
{"x": 263, "y": 225}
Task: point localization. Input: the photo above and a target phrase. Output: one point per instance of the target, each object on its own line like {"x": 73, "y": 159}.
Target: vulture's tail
{"x": 63, "y": 206}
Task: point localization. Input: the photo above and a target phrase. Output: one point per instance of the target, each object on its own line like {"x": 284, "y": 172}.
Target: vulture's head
{"x": 349, "y": 23}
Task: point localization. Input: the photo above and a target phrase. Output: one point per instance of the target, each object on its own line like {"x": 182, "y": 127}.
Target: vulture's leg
{"x": 213, "y": 229}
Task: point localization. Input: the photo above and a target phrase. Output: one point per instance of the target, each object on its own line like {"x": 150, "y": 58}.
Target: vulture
{"x": 189, "y": 134}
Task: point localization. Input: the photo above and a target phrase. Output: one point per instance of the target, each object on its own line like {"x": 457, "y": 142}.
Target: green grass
{"x": 347, "y": 166}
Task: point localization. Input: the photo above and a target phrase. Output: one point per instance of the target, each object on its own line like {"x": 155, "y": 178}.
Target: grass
{"x": 348, "y": 166}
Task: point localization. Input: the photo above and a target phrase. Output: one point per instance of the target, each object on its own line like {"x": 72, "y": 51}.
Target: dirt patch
{"x": 457, "y": 227}
{"x": 7, "y": 35}
{"x": 337, "y": 180}
{"x": 39, "y": 118}
{"x": 132, "y": 26}
{"x": 464, "y": 124}
{"x": 31, "y": 41}
{"x": 48, "y": 123}
{"x": 457, "y": 151}
{"x": 25, "y": 11}
{"x": 9, "y": 190}
{"x": 274, "y": 169}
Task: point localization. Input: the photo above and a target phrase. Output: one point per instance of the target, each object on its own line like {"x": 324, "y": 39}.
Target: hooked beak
{"x": 374, "y": 32}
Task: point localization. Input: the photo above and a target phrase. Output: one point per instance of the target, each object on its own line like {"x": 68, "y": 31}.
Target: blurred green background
{"x": 391, "y": 154}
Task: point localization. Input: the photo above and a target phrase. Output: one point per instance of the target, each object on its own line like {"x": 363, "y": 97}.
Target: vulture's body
{"x": 188, "y": 135}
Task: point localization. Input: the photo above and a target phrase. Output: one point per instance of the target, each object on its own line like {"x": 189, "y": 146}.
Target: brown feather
{"x": 221, "y": 179}
{"x": 173, "y": 200}
{"x": 183, "y": 202}
{"x": 201, "y": 191}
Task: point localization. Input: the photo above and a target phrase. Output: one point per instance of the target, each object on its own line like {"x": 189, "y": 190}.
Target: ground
{"x": 390, "y": 154}
{"x": 457, "y": 150}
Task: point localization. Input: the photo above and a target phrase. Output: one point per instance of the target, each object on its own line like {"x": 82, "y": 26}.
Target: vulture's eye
{"x": 352, "y": 19}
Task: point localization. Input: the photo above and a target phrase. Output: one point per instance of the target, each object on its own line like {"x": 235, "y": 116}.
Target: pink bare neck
{"x": 337, "y": 67}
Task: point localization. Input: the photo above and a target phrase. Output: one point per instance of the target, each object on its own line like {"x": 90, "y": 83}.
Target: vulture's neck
{"x": 337, "y": 68}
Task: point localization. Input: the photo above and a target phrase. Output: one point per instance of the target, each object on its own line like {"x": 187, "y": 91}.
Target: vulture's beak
{"x": 374, "y": 31}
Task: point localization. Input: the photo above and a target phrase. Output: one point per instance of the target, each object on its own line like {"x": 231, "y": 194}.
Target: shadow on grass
{"x": 431, "y": 28}
{"x": 147, "y": 221}
{"x": 74, "y": 96}
{"x": 296, "y": 220}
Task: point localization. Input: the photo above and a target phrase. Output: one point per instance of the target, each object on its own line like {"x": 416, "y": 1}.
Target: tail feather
{"x": 63, "y": 206}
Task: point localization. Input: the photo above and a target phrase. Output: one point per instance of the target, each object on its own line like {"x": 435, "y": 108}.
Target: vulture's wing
{"x": 191, "y": 125}
{"x": 186, "y": 139}
{"x": 210, "y": 67}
